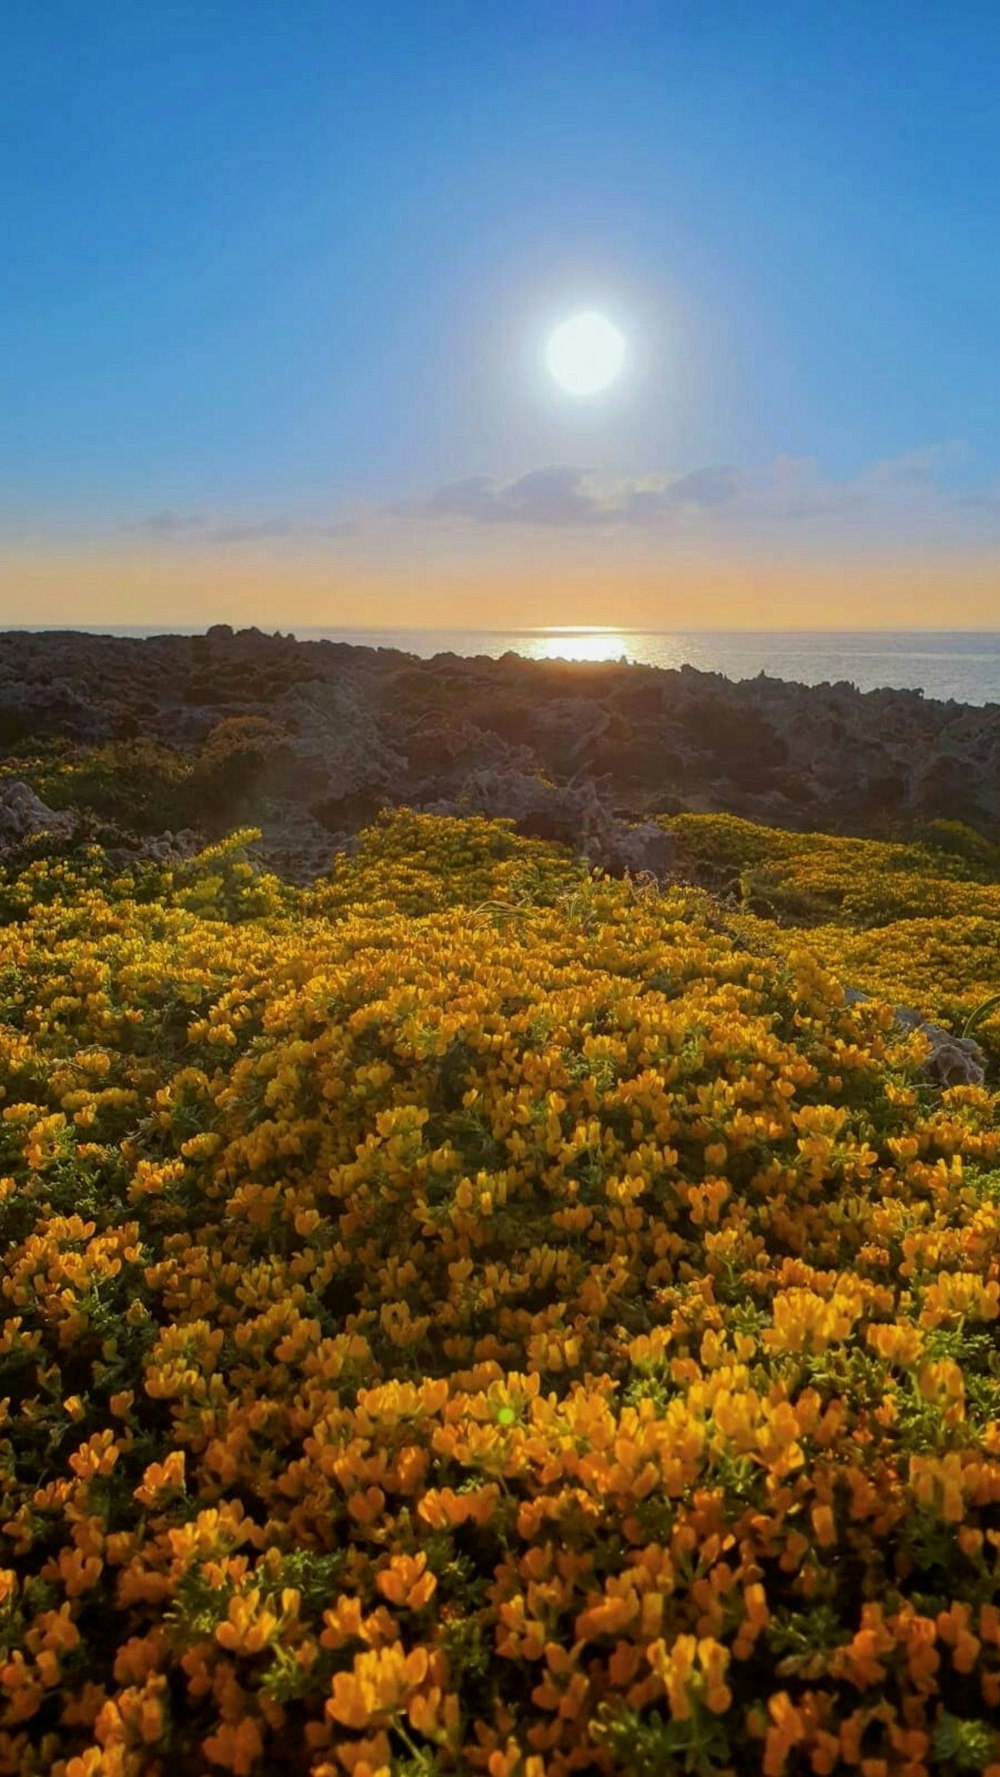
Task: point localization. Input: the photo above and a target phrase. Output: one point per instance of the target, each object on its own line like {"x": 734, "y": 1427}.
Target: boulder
{"x": 950, "y": 1061}
{"x": 23, "y": 814}
{"x": 644, "y": 850}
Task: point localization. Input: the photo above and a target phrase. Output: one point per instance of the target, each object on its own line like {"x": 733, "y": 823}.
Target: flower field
{"x": 473, "y": 1316}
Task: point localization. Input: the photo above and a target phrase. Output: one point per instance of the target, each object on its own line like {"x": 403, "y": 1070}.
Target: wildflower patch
{"x": 437, "y": 1340}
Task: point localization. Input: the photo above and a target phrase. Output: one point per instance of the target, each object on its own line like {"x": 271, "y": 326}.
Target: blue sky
{"x": 283, "y": 272}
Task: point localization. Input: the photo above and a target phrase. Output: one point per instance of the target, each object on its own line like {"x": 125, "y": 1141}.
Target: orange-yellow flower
{"x": 406, "y": 1581}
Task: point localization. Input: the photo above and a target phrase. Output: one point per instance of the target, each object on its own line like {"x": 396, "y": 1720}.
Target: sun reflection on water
{"x": 576, "y": 644}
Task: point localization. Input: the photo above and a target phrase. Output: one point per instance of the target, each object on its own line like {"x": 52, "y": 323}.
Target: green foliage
{"x": 915, "y": 923}
{"x": 232, "y": 767}
{"x": 139, "y": 785}
{"x": 964, "y": 1745}
{"x": 646, "y": 1744}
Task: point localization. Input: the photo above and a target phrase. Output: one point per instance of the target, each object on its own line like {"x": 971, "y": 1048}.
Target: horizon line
{"x": 554, "y": 630}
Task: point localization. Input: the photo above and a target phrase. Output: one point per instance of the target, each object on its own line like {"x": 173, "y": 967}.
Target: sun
{"x": 585, "y": 353}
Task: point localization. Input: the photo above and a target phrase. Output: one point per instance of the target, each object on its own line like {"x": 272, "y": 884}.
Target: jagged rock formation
{"x": 574, "y": 814}
{"x": 170, "y": 848}
{"x": 615, "y": 744}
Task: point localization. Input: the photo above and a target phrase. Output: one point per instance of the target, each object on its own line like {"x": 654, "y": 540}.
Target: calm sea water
{"x": 958, "y": 664}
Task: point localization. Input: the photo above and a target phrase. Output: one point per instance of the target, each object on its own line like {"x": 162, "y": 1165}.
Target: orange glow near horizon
{"x": 586, "y": 608}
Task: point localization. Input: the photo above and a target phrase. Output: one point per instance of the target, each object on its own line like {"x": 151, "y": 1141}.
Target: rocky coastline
{"x": 586, "y": 753}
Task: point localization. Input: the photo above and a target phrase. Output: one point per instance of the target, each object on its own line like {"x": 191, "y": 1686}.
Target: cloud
{"x": 917, "y": 468}
{"x": 258, "y": 531}
{"x": 561, "y": 495}
{"x": 716, "y": 495}
{"x": 715, "y": 486}
{"x": 554, "y": 495}
{"x": 712, "y": 489}
{"x": 984, "y": 499}
{"x": 916, "y": 489}
{"x": 201, "y": 525}
{"x": 266, "y": 528}
{"x": 168, "y": 523}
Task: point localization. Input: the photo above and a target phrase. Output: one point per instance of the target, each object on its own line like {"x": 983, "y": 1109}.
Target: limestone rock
{"x": 950, "y": 1061}
{"x": 644, "y": 850}
{"x": 23, "y": 814}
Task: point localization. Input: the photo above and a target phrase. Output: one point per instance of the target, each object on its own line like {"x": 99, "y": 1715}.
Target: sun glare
{"x": 585, "y": 353}
{"x": 577, "y": 644}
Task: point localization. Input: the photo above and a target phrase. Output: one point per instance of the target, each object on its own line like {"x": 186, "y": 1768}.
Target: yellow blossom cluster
{"x": 917, "y": 923}
{"x": 476, "y": 1316}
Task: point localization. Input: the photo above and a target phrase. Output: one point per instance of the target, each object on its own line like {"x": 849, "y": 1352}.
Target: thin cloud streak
{"x": 203, "y": 528}
{"x": 168, "y": 523}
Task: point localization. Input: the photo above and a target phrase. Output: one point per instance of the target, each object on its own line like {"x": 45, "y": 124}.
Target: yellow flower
{"x": 406, "y": 1582}
{"x": 236, "y": 1746}
{"x": 249, "y": 1624}
{"x": 378, "y": 1683}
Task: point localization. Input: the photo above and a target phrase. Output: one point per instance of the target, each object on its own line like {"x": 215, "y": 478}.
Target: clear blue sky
{"x": 282, "y": 258}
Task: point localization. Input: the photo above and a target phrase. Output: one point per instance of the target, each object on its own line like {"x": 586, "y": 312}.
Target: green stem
{"x": 979, "y": 1012}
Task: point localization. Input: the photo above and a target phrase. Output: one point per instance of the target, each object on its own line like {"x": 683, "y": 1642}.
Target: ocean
{"x": 959, "y": 664}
